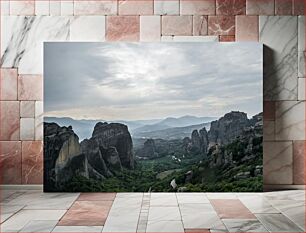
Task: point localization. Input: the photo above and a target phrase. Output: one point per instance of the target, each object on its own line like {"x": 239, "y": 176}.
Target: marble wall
{"x": 278, "y": 24}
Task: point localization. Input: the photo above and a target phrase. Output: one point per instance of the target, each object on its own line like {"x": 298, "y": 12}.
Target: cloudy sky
{"x": 134, "y": 81}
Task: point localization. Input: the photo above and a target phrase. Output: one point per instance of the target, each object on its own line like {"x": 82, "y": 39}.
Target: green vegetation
{"x": 156, "y": 174}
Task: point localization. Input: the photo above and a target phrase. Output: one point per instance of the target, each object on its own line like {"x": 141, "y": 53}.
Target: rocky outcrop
{"x": 198, "y": 142}
{"x": 61, "y": 147}
{"x": 117, "y": 136}
{"x": 108, "y": 150}
{"x": 227, "y": 128}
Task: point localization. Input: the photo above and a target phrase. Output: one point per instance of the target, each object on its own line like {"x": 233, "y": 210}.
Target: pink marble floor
{"x": 34, "y": 211}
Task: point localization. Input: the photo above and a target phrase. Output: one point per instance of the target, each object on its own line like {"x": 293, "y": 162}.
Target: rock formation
{"x": 118, "y": 136}
{"x": 198, "y": 142}
{"x": 61, "y": 146}
{"x": 108, "y": 150}
{"x": 227, "y": 128}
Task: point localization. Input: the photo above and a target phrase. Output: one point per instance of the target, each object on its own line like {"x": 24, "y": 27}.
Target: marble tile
{"x": 30, "y": 87}
{"x": 221, "y": 195}
{"x": 107, "y": 7}
{"x": 27, "y": 108}
{"x": 176, "y": 25}
{"x": 188, "y": 210}
{"x": 42, "y": 7}
{"x": 221, "y": 25}
{"x": 230, "y": 7}
{"x": 200, "y": 25}
{"x": 122, "y": 219}
{"x": 8, "y": 210}
{"x": 269, "y": 131}
{"x": 192, "y": 198}
{"x": 46, "y": 201}
{"x": 238, "y": 225}
{"x": 32, "y": 162}
{"x": 55, "y": 8}
{"x": 21, "y": 219}
{"x": 301, "y": 46}
{"x": 22, "y": 7}
{"x": 298, "y": 7}
{"x": 86, "y": 213}
{"x": 67, "y": 7}
{"x": 189, "y": 38}
{"x": 97, "y": 197}
{"x": 165, "y": 226}
{"x": 8, "y": 195}
{"x": 269, "y": 110}
{"x": 164, "y": 213}
{"x": 277, "y": 162}
{"x": 290, "y": 120}
{"x": 299, "y": 162}
{"x": 277, "y": 223}
{"x": 75, "y": 229}
{"x": 283, "y": 7}
{"x": 247, "y": 28}
{"x": 258, "y": 205}
{"x": 21, "y": 43}
{"x": 301, "y": 89}
{"x": 291, "y": 195}
{"x": 166, "y": 7}
{"x": 135, "y": 7}
{"x": 8, "y": 84}
{"x": 166, "y": 199}
{"x": 122, "y": 28}
{"x": 260, "y": 7}
{"x": 27, "y": 129}
{"x": 39, "y": 226}
{"x": 150, "y": 28}
{"x": 39, "y": 118}
{"x": 5, "y": 7}
{"x": 231, "y": 209}
{"x": 9, "y": 120}
{"x": 203, "y": 7}
{"x": 279, "y": 35}
{"x": 87, "y": 28}
{"x": 224, "y": 38}
{"x": 208, "y": 220}
{"x": 294, "y": 210}
{"x": 137, "y": 196}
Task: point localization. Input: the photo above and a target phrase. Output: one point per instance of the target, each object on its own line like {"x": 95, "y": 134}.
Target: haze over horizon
{"x": 145, "y": 81}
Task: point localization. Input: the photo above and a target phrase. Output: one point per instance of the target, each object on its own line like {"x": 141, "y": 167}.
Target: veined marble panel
{"x": 290, "y": 120}
{"x": 22, "y": 40}
{"x": 301, "y": 46}
{"x": 279, "y": 35}
{"x": 277, "y": 163}
{"x": 87, "y": 28}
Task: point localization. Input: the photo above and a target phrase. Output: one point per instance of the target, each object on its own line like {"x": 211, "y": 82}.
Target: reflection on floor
{"x": 34, "y": 211}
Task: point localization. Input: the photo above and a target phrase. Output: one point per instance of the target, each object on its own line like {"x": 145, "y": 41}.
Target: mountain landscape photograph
{"x": 153, "y": 117}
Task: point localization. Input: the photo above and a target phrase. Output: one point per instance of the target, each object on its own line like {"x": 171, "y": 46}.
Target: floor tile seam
{"x": 142, "y": 200}
{"x": 11, "y": 216}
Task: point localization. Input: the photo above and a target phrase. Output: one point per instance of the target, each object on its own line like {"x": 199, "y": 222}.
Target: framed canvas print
{"x": 153, "y": 117}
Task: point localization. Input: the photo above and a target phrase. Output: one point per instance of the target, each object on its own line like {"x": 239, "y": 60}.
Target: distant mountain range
{"x": 167, "y": 128}
{"x": 171, "y": 133}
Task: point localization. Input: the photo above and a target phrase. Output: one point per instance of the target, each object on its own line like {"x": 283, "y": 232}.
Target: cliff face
{"x": 117, "y": 136}
{"x": 199, "y": 141}
{"x": 61, "y": 145}
{"x": 227, "y": 128}
{"x": 108, "y": 150}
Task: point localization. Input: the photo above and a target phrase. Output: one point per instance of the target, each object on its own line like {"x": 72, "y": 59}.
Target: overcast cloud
{"x": 132, "y": 81}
